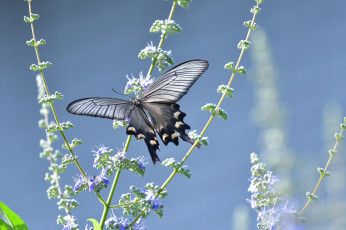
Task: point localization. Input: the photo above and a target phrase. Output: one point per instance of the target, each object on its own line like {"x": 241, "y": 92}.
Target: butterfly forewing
{"x": 111, "y": 108}
{"x": 175, "y": 83}
{"x": 141, "y": 128}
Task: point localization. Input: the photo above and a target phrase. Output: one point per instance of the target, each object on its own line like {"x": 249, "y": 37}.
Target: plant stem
{"x": 322, "y": 174}
{"x": 51, "y": 103}
{"x": 109, "y": 200}
{"x": 162, "y": 40}
{"x": 107, "y": 205}
{"x": 164, "y": 185}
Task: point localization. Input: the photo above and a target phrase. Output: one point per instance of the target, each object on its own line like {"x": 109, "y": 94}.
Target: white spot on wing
{"x": 178, "y": 124}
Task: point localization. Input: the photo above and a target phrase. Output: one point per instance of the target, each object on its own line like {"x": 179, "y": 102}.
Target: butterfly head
{"x": 136, "y": 101}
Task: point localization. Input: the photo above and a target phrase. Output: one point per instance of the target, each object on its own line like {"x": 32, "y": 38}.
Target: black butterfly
{"x": 158, "y": 102}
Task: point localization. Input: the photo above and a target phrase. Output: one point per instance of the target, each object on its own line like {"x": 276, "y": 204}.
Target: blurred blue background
{"x": 286, "y": 109}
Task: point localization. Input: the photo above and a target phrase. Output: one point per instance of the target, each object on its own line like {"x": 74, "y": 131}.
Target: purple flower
{"x": 91, "y": 183}
{"x": 137, "y": 225}
{"x": 121, "y": 155}
{"x": 123, "y": 224}
{"x": 99, "y": 153}
{"x": 150, "y": 196}
{"x": 270, "y": 179}
{"x": 141, "y": 163}
{"x": 252, "y": 202}
{"x": 111, "y": 221}
{"x": 253, "y": 188}
{"x": 102, "y": 176}
{"x": 150, "y": 48}
{"x": 145, "y": 82}
{"x": 79, "y": 181}
{"x": 68, "y": 227}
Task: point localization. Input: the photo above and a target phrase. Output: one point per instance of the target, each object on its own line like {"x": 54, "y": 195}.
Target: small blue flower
{"x": 150, "y": 48}
{"x": 98, "y": 154}
{"x": 270, "y": 179}
{"x": 129, "y": 82}
{"x": 91, "y": 183}
{"x": 102, "y": 176}
{"x": 137, "y": 225}
{"x": 141, "y": 163}
{"x": 111, "y": 221}
{"x": 150, "y": 196}
{"x": 253, "y": 187}
{"x": 123, "y": 224}
{"x": 144, "y": 82}
{"x": 68, "y": 227}
{"x": 79, "y": 181}
{"x": 121, "y": 155}
{"x": 252, "y": 202}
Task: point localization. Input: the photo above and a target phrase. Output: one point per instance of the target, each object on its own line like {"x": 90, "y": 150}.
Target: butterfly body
{"x": 155, "y": 110}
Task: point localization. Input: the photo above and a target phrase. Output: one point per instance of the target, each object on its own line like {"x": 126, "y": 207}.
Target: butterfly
{"x": 155, "y": 110}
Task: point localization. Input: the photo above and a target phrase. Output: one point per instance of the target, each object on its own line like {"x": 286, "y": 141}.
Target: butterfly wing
{"x": 111, "y": 108}
{"x": 141, "y": 128}
{"x": 175, "y": 83}
{"x": 168, "y": 121}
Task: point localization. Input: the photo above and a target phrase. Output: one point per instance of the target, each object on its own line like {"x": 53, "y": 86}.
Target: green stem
{"x": 122, "y": 205}
{"x": 107, "y": 205}
{"x": 162, "y": 39}
{"x": 109, "y": 200}
{"x": 322, "y": 174}
{"x": 164, "y": 185}
{"x": 51, "y": 104}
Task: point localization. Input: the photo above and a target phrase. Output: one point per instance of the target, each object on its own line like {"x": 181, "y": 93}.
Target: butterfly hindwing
{"x": 141, "y": 128}
{"x": 168, "y": 121}
{"x": 111, "y": 108}
{"x": 175, "y": 83}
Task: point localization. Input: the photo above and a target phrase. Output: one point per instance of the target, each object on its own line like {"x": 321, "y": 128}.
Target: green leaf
{"x": 255, "y": 10}
{"x": 311, "y": 196}
{"x": 241, "y": 70}
{"x": 51, "y": 98}
{"x": 34, "y": 16}
{"x": 221, "y": 113}
{"x": 229, "y": 65}
{"x": 74, "y": 143}
{"x": 68, "y": 159}
{"x": 254, "y": 158}
{"x": 332, "y": 152}
{"x": 165, "y": 27}
{"x": 11, "y": 219}
{"x": 31, "y": 42}
{"x": 243, "y": 44}
{"x": 339, "y": 137}
{"x": 209, "y": 107}
{"x": 41, "y": 42}
{"x": 184, "y": 3}
{"x": 252, "y": 27}
{"x": 96, "y": 224}
{"x": 224, "y": 89}
{"x": 26, "y": 19}
{"x": 34, "y": 67}
{"x": 197, "y": 138}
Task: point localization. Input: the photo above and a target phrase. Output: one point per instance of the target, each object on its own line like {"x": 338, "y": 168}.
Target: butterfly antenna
{"x": 120, "y": 93}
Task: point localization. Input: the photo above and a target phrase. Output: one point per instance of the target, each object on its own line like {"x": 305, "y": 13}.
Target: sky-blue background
{"x": 94, "y": 44}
